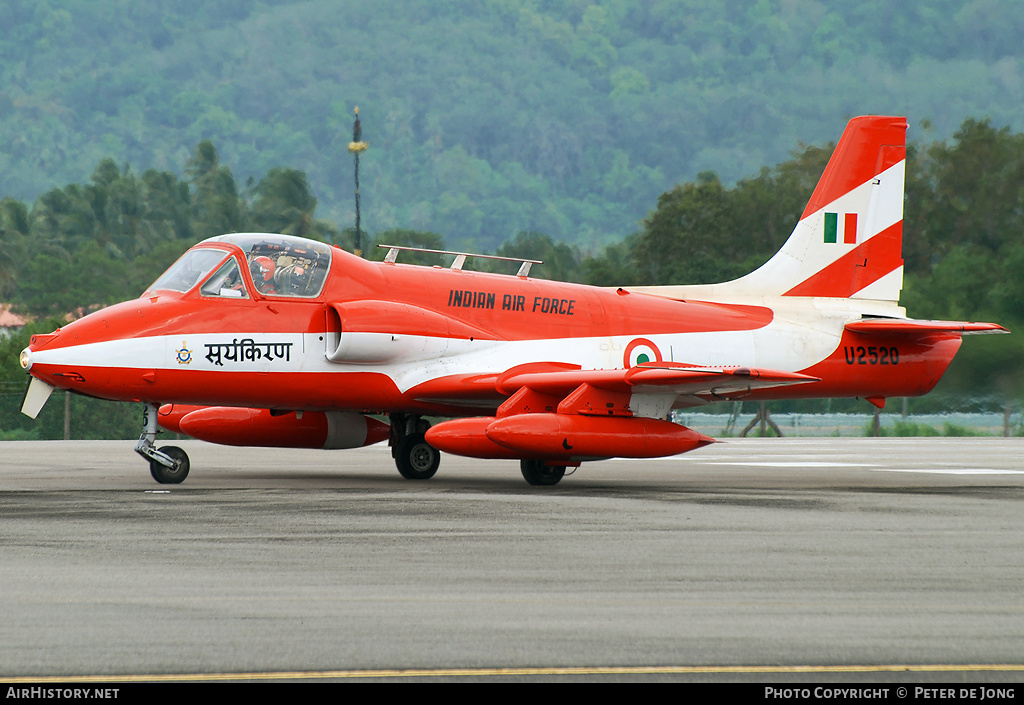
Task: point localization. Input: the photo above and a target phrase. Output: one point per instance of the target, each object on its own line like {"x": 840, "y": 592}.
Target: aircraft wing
{"x": 564, "y": 414}
{"x": 556, "y": 381}
{"x": 659, "y": 377}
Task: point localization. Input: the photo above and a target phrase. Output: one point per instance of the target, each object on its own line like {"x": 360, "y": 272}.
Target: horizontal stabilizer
{"x": 911, "y": 327}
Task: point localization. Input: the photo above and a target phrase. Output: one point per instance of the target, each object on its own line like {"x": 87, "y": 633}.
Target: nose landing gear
{"x": 168, "y": 465}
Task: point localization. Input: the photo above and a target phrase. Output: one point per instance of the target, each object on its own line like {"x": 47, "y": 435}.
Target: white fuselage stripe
{"x": 783, "y": 345}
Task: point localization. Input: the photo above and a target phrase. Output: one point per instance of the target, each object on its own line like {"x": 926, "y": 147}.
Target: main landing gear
{"x": 168, "y": 465}
{"x": 416, "y": 459}
{"x": 536, "y": 472}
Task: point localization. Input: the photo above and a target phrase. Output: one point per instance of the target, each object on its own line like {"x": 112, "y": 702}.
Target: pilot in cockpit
{"x": 262, "y": 269}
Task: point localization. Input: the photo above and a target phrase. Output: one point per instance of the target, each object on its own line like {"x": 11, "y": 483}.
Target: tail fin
{"x": 848, "y": 243}
{"x": 849, "y": 240}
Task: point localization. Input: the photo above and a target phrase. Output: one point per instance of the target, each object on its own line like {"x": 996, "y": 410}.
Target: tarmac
{"x": 751, "y": 560}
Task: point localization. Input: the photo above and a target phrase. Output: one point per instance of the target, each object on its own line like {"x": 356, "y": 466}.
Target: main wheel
{"x": 173, "y": 475}
{"x": 416, "y": 459}
{"x": 537, "y": 473}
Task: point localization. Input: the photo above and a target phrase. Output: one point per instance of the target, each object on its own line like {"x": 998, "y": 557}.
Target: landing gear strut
{"x": 168, "y": 465}
{"x": 416, "y": 459}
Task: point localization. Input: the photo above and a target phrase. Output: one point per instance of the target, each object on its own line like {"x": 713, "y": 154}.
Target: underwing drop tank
{"x": 259, "y": 427}
{"x": 564, "y": 437}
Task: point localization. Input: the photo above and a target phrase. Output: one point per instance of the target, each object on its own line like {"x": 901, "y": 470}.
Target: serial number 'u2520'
{"x": 871, "y": 355}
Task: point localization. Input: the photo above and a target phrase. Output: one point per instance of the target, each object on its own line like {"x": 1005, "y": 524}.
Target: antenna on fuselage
{"x": 357, "y": 147}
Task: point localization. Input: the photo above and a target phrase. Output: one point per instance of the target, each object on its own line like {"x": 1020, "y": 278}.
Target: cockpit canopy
{"x": 280, "y": 265}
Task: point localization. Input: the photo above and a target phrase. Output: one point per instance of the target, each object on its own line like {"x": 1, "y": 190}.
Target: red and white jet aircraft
{"x": 271, "y": 340}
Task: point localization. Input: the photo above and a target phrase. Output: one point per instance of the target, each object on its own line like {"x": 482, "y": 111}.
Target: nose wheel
{"x": 168, "y": 465}
{"x": 170, "y": 475}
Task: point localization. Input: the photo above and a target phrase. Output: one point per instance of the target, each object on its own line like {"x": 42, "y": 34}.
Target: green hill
{"x": 486, "y": 118}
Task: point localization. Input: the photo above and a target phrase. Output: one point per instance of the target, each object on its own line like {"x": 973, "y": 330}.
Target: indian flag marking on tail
{"x": 849, "y": 228}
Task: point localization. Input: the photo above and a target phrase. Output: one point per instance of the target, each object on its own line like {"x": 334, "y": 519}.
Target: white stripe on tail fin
{"x": 848, "y": 243}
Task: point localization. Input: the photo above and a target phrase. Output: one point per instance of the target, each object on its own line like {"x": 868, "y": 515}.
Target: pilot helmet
{"x": 262, "y": 269}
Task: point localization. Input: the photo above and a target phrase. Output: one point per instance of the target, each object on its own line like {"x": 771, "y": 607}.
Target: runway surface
{"x": 767, "y": 559}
